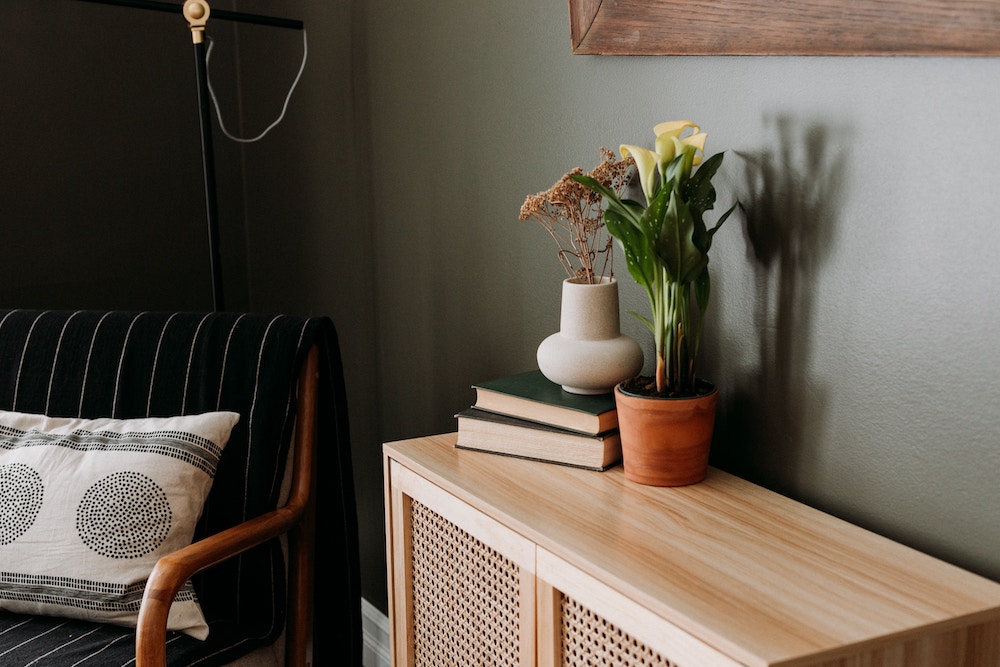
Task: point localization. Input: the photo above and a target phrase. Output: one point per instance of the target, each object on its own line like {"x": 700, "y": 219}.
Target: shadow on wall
{"x": 791, "y": 216}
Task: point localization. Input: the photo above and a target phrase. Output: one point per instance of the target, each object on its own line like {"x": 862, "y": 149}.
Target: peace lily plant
{"x": 666, "y": 244}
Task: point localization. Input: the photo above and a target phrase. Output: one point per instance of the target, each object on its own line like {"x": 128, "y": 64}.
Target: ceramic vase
{"x": 665, "y": 441}
{"x": 589, "y": 354}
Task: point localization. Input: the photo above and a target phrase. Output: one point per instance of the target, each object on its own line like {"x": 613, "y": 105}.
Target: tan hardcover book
{"x": 534, "y": 397}
{"x": 501, "y": 434}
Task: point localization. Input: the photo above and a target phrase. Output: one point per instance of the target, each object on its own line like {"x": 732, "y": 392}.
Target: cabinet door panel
{"x": 464, "y": 590}
{"x": 597, "y": 625}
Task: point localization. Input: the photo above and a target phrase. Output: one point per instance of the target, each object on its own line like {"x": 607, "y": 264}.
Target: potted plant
{"x": 589, "y": 354}
{"x": 666, "y": 421}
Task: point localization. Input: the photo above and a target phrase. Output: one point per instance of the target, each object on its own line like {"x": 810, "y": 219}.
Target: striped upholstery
{"x": 134, "y": 364}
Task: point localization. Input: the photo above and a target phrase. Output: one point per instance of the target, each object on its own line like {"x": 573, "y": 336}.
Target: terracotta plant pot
{"x": 665, "y": 441}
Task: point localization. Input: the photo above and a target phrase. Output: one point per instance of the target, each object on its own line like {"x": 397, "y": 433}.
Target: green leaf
{"x": 722, "y": 219}
{"x": 698, "y": 190}
{"x": 637, "y": 250}
{"x": 706, "y": 171}
{"x": 702, "y": 291}
{"x": 596, "y": 186}
{"x": 706, "y": 243}
{"x": 674, "y": 172}
{"x": 653, "y": 218}
{"x": 675, "y": 245}
{"x": 628, "y": 208}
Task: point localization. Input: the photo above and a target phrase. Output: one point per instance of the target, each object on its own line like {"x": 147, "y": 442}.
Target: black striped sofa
{"x": 283, "y": 376}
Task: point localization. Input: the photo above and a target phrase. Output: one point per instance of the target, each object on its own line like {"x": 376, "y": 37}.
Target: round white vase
{"x": 589, "y": 354}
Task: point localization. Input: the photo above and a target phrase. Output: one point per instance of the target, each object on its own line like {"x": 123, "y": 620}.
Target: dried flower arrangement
{"x": 572, "y": 215}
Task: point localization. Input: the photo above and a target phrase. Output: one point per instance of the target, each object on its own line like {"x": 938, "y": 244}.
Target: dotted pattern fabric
{"x": 124, "y": 515}
{"x": 21, "y": 494}
{"x": 89, "y": 506}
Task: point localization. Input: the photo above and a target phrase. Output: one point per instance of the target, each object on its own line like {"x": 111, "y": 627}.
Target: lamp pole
{"x": 197, "y": 13}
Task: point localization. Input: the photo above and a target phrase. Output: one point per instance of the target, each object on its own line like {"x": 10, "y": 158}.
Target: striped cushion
{"x": 60, "y": 642}
{"x": 127, "y": 365}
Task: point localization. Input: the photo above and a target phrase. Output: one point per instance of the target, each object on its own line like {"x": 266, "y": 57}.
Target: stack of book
{"x": 528, "y": 416}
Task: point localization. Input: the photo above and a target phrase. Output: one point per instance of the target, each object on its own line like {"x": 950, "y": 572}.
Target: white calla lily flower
{"x": 646, "y": 163}
{"x": 666, "y": 148}
{"x": 669, "y": 141}
{"x": 674, "y": 127}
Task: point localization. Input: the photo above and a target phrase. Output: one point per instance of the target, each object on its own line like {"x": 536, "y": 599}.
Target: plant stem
{"x": 675, "y": 320}
{"x": 684, "y": 381}
{"x": 665, "y": 359}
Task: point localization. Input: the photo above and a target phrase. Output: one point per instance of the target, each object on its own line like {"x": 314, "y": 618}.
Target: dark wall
{"x": 102, "y": 195}
{"x": 102, "y": 198}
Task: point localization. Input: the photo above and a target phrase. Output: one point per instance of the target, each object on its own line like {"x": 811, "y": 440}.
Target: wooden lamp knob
{"x": 197, "y": 12}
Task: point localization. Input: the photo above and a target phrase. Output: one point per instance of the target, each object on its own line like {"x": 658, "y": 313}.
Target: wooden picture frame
{"x": 786, "y": 27}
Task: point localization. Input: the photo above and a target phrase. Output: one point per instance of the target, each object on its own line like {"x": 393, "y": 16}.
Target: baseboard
{"x": 375, "y": 636}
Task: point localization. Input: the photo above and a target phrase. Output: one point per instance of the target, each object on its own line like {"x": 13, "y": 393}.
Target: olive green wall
{"x": 854, "y": 320}
{"x": 854, "y": 326}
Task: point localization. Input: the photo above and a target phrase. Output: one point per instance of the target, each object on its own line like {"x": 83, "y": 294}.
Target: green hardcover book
{"x": 534, "y": 397}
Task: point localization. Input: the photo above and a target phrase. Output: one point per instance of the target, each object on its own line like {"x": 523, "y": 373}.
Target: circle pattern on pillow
{"x": 88, "y": 506}
{"x": 124, "y": 515}
{"x": 21, "y": 494}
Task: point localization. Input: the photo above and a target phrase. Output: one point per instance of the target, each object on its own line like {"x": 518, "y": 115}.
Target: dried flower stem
{"x": 572, "y": 215}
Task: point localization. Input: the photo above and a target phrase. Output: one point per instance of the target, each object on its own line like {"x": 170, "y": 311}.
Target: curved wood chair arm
{"x": 172, "y": 570}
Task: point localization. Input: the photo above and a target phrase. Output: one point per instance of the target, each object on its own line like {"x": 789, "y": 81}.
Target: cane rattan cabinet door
{"x": 463, "y": 585}
{"x": 498, "y": 561}
{"x": 583, "y": 622}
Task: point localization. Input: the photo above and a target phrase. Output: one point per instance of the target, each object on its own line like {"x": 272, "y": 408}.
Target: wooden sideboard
{"x": 496, "y": 561}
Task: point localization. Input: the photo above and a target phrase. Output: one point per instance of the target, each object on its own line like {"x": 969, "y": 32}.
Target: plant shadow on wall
{"x": 791, "y": 214}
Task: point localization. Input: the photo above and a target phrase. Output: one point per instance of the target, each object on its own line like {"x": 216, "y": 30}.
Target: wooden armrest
{"x": 172, "y": 570}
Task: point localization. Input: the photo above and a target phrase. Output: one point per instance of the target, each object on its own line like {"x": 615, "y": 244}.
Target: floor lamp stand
{"x": 197, "y": 12}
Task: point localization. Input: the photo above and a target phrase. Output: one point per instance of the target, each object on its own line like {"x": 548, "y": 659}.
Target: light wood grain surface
{"x": 757, "y": 575}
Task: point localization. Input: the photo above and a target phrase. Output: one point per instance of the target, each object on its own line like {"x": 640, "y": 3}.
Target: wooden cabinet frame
{"x": 720, "y": 574}
{"x": 407, "y": 488}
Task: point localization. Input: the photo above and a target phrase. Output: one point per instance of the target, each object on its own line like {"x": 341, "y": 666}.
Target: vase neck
{"x": 590, "y": 312}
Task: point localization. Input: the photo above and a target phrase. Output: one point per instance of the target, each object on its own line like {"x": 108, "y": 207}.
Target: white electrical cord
{"x": 215, "y": 102}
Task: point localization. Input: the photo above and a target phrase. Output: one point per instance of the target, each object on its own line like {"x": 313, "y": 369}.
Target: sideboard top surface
{"x": 754, "y": 573}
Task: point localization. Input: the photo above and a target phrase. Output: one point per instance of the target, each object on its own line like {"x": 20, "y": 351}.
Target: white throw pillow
{"x": 87, "y": 507}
